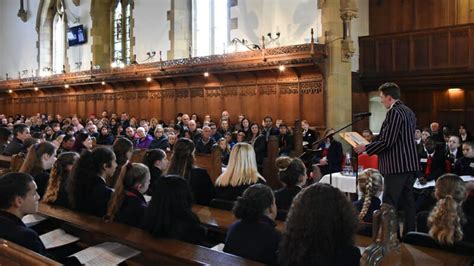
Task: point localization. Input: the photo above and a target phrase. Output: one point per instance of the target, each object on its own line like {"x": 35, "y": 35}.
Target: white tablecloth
{"x": 343, "y": 182}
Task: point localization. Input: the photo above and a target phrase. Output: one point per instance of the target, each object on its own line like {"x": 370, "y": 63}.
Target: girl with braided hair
{"x": 370, "y": 185}
{"x": 56, "y": 191}
{"x": 447, "y": 218}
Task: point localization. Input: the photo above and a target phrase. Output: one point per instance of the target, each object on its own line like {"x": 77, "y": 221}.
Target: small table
{"x": 343, "y": 182}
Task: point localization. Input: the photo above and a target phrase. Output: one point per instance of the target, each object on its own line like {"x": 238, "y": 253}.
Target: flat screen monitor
{"x": 76, "y": 35}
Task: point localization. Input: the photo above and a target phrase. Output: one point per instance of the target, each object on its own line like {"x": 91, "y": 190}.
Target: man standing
{"x": 398, "y": 159}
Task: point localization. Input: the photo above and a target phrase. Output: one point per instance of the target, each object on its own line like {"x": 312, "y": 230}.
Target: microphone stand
{"x": 355, "y": 120}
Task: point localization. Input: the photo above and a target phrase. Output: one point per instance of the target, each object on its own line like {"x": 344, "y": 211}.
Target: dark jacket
{"x": 155, "y": 174}
{"x": 309, "y": 136}
{"x": 231, "y": 193}
{"x": 438, "y": 165}
{"x": 14, "y": 147}
{"x": 255, "y": 240}
{"x": 41, "y": 180}
{"x": 374, "y": 205}
{"x": 260, "y": 147}
{"x": 286, "y": 144}
{"x": 161, "y": 143}
{"x": 98, "y": 198}
{"x": 133, "y": 209}
{"x": 284, "y": 197}
{"x": 205, "y": 148}
{"x": 394, "y": 145}
{"x": 334, "y": 158}
{"x": 14, "y": 230}
{"x": 201, "y": 186}
{"x": 464, "y": 166}
{"x": 105, "y": 140}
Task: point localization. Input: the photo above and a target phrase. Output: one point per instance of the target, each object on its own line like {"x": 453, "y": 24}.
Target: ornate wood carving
{"x": 266, "y": 89}
{"x": 213, "y": 92}
{"x": 288, "y": 88}
{"x": 197, "y": 92}
{"x": 314, "y": 87}
{"x": 247, "y": 91}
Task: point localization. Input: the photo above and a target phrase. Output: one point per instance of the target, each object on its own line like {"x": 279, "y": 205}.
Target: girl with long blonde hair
{"x": 240, "y": 174}
{"x": 370, "y": 185}
{"x": 446, "y": 219}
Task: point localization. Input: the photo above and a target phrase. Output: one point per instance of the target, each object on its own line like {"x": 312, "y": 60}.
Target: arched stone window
{"x": 122, "y": 33}
{"x": 51, "y": 24}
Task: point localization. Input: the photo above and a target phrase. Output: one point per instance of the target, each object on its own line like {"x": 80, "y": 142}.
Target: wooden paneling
{"x": 391, "y": 16}
{"x": 281, "y": 100}
{"x": 439, "y": 49}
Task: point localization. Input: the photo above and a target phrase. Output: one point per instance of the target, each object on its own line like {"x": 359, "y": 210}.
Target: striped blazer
{"x": 396, "y": 146}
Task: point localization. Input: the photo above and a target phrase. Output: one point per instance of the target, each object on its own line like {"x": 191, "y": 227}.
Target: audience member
{"x": 330, "y": 158}
{"x": 127, "y": 204}
{"x": 18, "y": 197}
{"x": 285, "y": 141}
{"x": 83, "y": 142}
{"x": 39, "y": 160}
{"x": 20, "y": 133}
{"x": 370, "y": 186}
{"x": 160, "y": 141}
{"x": 241, "y": 173}
{"x": 105, "y": 137}
{"x": 56, "y": 190}
{"x": 156, "y": 160}
{"x": 320, "y": 229}
{"x": 446, "y": 221}
{"x": 292, "y": 173}
{"x": 87, "y": 189}
{"x": 182, "y": 164}
{"x": 465, "y": 165}
{"x": 464, "y": 135}
{"x": 309, "y": 135}
{"x": 169, "y": 213}
{"x": 254, "y": 235}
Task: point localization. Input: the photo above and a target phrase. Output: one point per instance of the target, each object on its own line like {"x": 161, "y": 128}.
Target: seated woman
{"x": 370, "y": 185}
{"x": 330, "y": 159}
{"x": 446, "y": 222}
{"x": 254, "y": 236}
{"x": 465, "y": 165}
{"x": 87, "y": 188}
{"x": 157, "y": 162}
{"x": 222, "y": 142}
{"x": 169, "y": 213}
{"x": 320, "y": 213}
{"x": 38, "y": 162}
{"x": 105, "y": 137}
{"x": 83, "y": 142}
{"x": 292, "y": 174}
{"x": 160, "y": 141}
{"x": 127, "y": 204}
{"x": 240, "y": 174}
{"x": 182, "y": 164}
{"x": 56, "y": 191}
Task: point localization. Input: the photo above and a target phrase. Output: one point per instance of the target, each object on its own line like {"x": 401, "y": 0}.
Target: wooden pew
{"x": 5, "y": 161}
{"x": 93, "y": 230}
{"x": 13, "y": 254}
{"x": 218, "y": 221}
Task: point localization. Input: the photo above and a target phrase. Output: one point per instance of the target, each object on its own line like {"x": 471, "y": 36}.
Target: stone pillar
{"x": 180, "y": 34}
{"x": 101, "y": 33}
{"x": 338, "y": 83}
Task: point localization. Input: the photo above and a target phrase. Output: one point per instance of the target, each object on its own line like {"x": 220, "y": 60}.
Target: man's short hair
{"x": 19, "y": 128}
{"x": 13, "y": 185}
{"x": 390, "y": 88}
{"x": 268, "y": 117}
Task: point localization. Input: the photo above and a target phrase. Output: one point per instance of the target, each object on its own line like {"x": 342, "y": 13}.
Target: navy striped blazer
{"x": 396, "y": 146}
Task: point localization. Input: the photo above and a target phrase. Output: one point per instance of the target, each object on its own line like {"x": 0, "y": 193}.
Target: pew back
{"x": 13, "y": 254}
{"x": 163, "y": 251}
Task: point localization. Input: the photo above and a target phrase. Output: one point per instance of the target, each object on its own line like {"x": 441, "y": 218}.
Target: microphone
{"x": 364, "y": 114}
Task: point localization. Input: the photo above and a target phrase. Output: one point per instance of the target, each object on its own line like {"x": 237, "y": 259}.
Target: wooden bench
{"x": 13, "y": 254}
{"x": 218, "y": 221}
{"x": 93, "y": 230}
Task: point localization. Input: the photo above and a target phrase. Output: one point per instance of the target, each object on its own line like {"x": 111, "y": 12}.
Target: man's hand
{"x": 359, "y": 149}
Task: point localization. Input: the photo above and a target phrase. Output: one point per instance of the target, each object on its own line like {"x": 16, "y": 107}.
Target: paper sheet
{"x": 107, "y": 253}
{"x": 57, "y": 238}
{"x": 32, "y": 219}
{"x": 465, "y": 178}
{"x": 147, "y": 198}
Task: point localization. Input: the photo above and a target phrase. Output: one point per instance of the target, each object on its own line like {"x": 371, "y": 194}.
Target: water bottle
{"x": 347, "y": 165}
